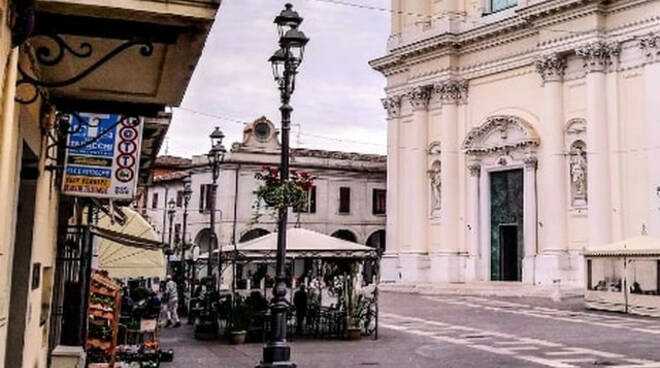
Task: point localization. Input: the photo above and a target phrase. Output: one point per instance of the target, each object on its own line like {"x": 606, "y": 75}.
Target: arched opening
{"x": 345, "y": 235}
{"x": 377, "y": 240}
{"x": 203, "y": 240}
{"x": 253, "y": 234}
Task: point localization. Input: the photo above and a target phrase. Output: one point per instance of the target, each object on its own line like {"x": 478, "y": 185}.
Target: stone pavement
{"x": 489, "y": 288}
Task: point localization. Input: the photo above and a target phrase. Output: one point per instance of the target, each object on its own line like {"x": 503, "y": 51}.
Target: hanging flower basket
{"x": 278, "y": 194}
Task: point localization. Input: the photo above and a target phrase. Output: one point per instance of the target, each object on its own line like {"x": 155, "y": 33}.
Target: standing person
{"x": 172, "y": 303}
{"x": 300, "y": 302}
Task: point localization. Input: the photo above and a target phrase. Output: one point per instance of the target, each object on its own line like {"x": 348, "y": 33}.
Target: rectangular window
{"x": 154, "y": 201}
{"x": 499, "y": 5}
{"x": 379, "y": 202}
{"x": 344, "y": 200}
{"x": 205, "y": 197}
{"x": 179, "y": 198}
{"x": 310, "y": 206}
{"x": 177, "y": 233}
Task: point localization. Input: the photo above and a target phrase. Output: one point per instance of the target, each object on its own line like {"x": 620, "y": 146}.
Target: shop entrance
{"x": 506, "y": 222}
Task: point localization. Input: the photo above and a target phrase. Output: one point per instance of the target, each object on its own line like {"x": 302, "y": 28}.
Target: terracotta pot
{"x": 238, "y": 337}
{"x": 354, "y": 333}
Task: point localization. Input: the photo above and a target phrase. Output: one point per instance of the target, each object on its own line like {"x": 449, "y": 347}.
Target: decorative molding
{"x": 650, "y": 46}
{"x": 419, "y": 97}
{"x": 476, "y": 141}
{"x": 393, "y": 105}
{"x": 530, "y": 161}
{"x": 474, "y": 168}
{"x": 599, "y": 56}
{"x": 452, "y": 91}
{"x": 551, "y": 67}
{"x": 435, "y": 148}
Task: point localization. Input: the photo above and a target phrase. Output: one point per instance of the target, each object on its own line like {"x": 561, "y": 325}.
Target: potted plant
{"x": 276, "y": 194}
{"x": 240, "y": 320}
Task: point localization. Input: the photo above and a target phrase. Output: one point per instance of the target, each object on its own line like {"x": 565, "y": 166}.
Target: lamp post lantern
{"x": 171, "y": 211}
{"x": 285, "y": 62}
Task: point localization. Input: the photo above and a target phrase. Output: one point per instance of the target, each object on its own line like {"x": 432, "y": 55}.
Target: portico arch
{"x": 501, "y": 157}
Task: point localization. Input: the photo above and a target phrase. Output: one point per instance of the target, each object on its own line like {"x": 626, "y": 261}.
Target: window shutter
{"x": 202, "y": 197}
{"x": 344, "y": 200}
{"x": 312, "y": 200}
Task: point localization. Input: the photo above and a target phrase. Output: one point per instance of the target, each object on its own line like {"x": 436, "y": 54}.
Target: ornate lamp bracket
{"x": 54, "y": 52}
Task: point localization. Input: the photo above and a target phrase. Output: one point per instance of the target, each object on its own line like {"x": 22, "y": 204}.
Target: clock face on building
{"x": 262, "y": 131}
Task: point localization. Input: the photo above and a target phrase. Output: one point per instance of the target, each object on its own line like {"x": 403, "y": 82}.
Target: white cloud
{"x": 337, "y": 94}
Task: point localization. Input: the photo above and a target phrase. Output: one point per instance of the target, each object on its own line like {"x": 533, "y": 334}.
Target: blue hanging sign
{"x": 102, "y": 156}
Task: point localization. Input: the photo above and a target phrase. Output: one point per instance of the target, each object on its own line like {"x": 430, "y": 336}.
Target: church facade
{"x": 519, "y": 134}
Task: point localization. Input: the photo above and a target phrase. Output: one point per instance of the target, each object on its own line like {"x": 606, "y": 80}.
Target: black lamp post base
{"x": 276, "y": 355}
{"x": 206, "y": 330}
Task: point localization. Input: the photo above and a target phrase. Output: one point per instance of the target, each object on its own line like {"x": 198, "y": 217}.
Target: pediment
{"x": 500, "y": 133}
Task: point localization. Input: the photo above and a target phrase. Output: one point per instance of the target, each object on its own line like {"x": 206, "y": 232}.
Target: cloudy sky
{"x": 337, "y": 99}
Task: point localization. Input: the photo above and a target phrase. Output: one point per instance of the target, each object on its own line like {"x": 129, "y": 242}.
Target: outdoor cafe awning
{"x": 131, "y": 249}
{"x": 638, "y": 246}
{"x": 301, "y": 243}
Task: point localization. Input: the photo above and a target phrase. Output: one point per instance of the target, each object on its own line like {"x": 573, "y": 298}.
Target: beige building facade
{"x": 519, "y": 133}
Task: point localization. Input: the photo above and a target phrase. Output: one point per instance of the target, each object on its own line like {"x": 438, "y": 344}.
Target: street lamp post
{"x": 187, "y": 193}
{"x": 216, "y": 156}
{"x": 285, "y": 62}
{"x": 171, "y": 211}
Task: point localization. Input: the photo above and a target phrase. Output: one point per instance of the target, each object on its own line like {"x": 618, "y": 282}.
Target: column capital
{"x": 393, "y": 105}
{"x": 419, "y": 97}
{"x": 551, "y": 67}
{"x": 650, "y": 46}
{"x": 452, "y": 91}
{"x": 530, "y": 161}
{"x": 599, "y": 56}
{"x": 474, "y": 168}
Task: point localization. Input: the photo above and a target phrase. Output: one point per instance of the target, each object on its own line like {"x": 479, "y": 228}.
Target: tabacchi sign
{"x": 102, "y": 156}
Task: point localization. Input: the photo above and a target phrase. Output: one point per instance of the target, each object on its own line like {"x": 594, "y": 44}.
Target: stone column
{"x": 553, "y": 203}
{"x": 597, "y": 58}
{"x": 389, "y": 263}
{"x": 530, "y": 220}
{"x": 447, "y": 262}
{"x": 473, "y": 272}
{"x": 650, "y": 47}
{"x": 413, "y": 192}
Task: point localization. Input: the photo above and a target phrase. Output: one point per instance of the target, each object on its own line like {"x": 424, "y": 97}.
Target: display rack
{"x": 103, "y": 313}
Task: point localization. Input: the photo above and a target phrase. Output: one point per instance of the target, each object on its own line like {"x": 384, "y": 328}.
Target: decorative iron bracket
{"x": 53, "y": 54}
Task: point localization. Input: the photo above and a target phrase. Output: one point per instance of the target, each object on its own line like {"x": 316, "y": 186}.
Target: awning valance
{"x": 638, "y": 246}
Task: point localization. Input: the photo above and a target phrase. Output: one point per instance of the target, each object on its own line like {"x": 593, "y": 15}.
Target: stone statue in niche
{"x": 578, "y": 169}
{"x": 436, "y": 186}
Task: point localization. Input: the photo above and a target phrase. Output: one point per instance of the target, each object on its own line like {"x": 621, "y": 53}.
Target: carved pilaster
{"x": 451, "y": 91}
{"x": 551, "y": 67}
{"x": 599, "y": 56}
{"x": 474, "y": 168}
{"x": 419, "y": 97}
{"x": 393, "y": 105}
{"x": 650, "y": 46}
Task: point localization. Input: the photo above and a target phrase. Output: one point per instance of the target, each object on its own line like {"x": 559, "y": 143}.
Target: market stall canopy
{"x": 638, "y": 246}
{"x": 301, "y": 243}
{"x": 131, "y": 249}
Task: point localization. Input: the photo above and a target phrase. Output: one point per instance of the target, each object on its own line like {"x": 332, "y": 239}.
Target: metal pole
{"x": 169, "y": 240}
{"x": 277, "y": 351}
{"x": 182, "y": 257}
{"x": 85, "y": 275}
{"x": 214, "y": 238}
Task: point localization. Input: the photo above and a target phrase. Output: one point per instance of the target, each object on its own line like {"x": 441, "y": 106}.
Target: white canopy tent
{"x": 131, "y": 249}
{"x": 301, "y": 243}
{"x": 624, "y": 276}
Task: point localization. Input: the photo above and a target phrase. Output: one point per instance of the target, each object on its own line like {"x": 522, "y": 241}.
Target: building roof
{"x": 171, "y": 176}
{"x": 168, "y": 161}
{"x": 337, "y": 155}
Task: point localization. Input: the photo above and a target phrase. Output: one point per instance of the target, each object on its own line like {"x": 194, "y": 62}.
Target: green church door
{"x": 506, "y": 225}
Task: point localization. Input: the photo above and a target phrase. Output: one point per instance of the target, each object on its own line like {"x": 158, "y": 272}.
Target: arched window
{"x": 345, "y": 235}
{"x": 377, "y": 240}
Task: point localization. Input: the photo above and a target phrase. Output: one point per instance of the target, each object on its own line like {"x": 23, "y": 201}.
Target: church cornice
{"x": 527, "y": 22}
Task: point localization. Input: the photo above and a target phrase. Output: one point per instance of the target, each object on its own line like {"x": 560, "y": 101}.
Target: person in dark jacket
{"x": 300, "y": 302}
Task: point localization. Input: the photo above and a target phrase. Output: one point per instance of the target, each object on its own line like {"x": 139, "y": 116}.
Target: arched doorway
{"x": 377, "y": 240}
{"x": 345, "y": 235}
{"x": 253, "y": 234}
